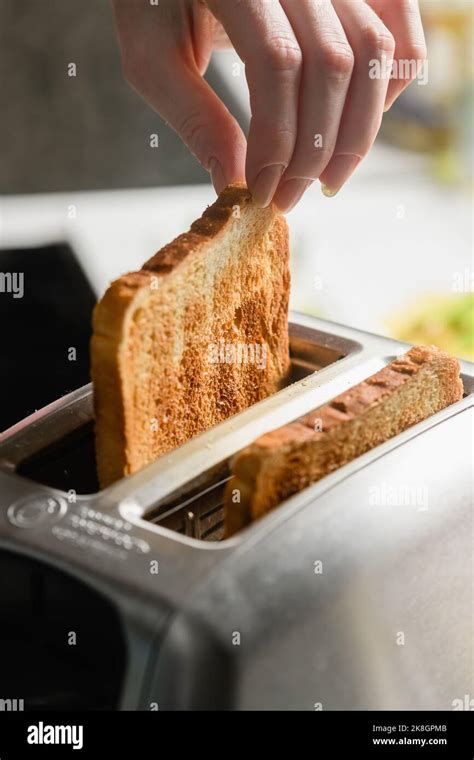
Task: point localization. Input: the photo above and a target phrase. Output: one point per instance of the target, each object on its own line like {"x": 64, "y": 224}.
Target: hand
{"x": 315, "y": 109}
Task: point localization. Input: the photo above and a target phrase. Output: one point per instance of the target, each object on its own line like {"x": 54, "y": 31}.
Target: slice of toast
{"x": 284, "y": 461}
{"x": 198, "y": 334}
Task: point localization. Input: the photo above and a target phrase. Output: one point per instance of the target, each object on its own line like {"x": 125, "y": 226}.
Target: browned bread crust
{"x": 161, "y": 367}
{"x": 284, "y": 461}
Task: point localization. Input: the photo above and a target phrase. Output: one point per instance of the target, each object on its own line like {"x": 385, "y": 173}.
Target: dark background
{"x": 92, "y": 131}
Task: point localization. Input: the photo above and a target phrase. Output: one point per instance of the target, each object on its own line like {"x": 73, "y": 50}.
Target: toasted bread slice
{"x": 284, "y": 461}
{"x": 198, "y": 334}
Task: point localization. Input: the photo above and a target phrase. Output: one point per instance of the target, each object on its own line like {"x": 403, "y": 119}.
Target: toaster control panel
{"x": 88, "y": 528}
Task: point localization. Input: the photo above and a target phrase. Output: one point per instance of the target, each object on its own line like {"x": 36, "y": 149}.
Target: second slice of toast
{"x": 198, "y": 334}
{"x": 285, "y": 461}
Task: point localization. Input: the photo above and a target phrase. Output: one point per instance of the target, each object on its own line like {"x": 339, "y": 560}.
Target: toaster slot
{"x": 197, "y": 508}
{"x": 68, "y": 462}
{"x": 198, "y": 513}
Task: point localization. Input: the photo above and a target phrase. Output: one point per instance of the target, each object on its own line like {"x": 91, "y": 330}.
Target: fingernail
{"x": 290, "y": 193}
{"x": 266, "y": 184}
{"x": 217, "y": 175}
{"x": 337, "y": 172}
{"x": 328, "y": 192}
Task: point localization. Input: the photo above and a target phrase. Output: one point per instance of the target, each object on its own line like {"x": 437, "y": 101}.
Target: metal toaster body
{"x": 354, "y": 594}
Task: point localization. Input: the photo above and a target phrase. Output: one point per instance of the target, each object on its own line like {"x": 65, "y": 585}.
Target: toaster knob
{"x": 34, "y": 511}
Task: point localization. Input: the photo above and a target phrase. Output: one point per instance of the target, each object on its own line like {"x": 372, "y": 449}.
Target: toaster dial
{"x": 35, "y": 511}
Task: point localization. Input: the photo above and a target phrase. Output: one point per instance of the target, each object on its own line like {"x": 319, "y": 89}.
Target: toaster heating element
{"x": 302, "y": 607}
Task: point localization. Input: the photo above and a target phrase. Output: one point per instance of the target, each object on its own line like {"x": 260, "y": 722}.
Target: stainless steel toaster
{"x": 354, "y": 594}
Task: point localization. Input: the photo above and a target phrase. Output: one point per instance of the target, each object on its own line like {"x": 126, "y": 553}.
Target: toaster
{"x": 354, "y": 594}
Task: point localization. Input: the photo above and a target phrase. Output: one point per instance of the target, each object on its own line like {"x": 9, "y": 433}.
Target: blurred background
{"x": 85, "y": 197}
